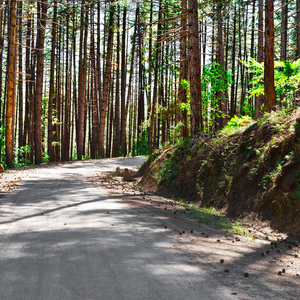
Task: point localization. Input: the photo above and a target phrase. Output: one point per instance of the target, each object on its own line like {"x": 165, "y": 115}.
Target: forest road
{"x": 65, "y": 237}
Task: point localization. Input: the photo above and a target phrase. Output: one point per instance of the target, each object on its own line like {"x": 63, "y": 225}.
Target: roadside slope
{"x": 248, "y": 170}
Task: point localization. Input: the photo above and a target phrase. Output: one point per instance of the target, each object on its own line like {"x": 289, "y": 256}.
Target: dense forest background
{"x": 93, "y": 79}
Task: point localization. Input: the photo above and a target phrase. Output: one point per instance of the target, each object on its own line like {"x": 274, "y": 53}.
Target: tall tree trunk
{"x": 154, "y": 102}
{"x": 232, "y": 102}
{"x": 195, "y": 82}
{"x": 260, "y": 53}
{"x": 51, "y": 89}
{"x": 20, "y": 85}
{"x": 270, "y": 100}
{"x": 82, "y": 82}
{"x": 284, "y": 28}
{"x": 123, "y": 86}
{"x": 222, "y": 102}
{"x": 42, "y": 11}
{"x": 116, "y": 143}
{"x": 108, "y": 65}
{"x": 9, "y": 139}
{"x": 94, "y": 94}
{"x": 141, "y": 100}
{"x": 183, "y": 67}
{"x": 150, "y": 64}
{"x": 124, "y": 118}
{"x": 66, "y": 135}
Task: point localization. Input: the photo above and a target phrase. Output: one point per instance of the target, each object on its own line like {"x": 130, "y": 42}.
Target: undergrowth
{"x": 209, "y": 215}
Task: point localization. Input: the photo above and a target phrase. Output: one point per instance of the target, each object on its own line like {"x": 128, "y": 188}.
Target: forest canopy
{"x": 94, "y": 79}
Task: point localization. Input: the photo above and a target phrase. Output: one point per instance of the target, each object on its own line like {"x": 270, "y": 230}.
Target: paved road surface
{"x": 64, "y": 238}
{"x": 59, "y": 242}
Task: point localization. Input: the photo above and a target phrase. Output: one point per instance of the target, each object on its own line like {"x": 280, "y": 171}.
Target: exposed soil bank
{"x": 253, "y": 172}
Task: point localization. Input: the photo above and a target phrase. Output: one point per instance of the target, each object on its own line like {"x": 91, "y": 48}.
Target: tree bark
{"x": 51, "y": 89}
{"x": 260, "y": 54}
{"x": 9, "y": 138}
{"x": 298, "y": 27}
{"x": 108, "y": 65}
{"x": 42, "y": 11}
{"x": 20, "y": 84}
{"x": 123, "y": 86}
{"x": 154, "y": 102}
{"x": 232, "y": 102}
{"x": 194, "y": 56}
{"x": 82, "y": 82}
{"x": 284, "y": 28}
{"x": 270, "y": 100}
{"x": 116, "y": 143}
{"x": 183, "y": 68}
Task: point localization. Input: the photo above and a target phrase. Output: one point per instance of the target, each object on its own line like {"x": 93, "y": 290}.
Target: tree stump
{"x": 126, "y": 175}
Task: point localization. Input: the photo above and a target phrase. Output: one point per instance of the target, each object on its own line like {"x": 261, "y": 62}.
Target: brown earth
{"x": 253, "y": 173}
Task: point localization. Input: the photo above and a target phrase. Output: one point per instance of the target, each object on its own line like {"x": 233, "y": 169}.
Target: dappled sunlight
{"x": 76, "y": 239}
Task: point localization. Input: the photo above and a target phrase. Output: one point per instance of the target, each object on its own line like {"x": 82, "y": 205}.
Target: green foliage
{"x": 210, "y": 214}
{"x": 239, "y": 121}
{"x": 175, "y": 131}
{"x": 141, "y": 147}
{"x": 236, "y": 124}
{"x": 213, "y": 81}
{"x": 186, "y": 106}
{"x": 287, "y": 78}
{"x": 172, "y": 164}
{"x": 20, "y": 154}
{"x": 170, "y": 169}
{"x": 45, "y": 158}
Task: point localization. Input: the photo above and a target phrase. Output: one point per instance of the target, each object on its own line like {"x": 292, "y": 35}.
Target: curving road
{"x": 62, "y": 237}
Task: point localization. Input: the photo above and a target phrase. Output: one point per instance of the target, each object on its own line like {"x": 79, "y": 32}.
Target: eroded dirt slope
{"x": 253, "y": 173}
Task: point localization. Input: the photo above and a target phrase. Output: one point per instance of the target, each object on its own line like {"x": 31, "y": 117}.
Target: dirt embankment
{"x": 252, "y": 173}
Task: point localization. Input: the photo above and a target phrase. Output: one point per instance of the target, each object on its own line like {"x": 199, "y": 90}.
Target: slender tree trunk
{"x": 141, "y": 100}
{"x": 183, "y": 67}
{"x": 270, "y": 100}
{"x": 195, "y": 82}
{"x": 284, "y": 28}
{"x": 106, "y": 77}
{"x": 232, "y": 102}
{"x": 124, "y": 117}
{"x": 123, "y": 87}
{"x": 51, "y": 89}
{"x": 260, "y": 54}
{"x": 243, "y": 76}
{"x": 94, "y": 94}
{"x": 298, "y": 28}
{"x": 82, "y": 82}
{"x": 150, "y": 65}
{"x": 42, "y": 13}
{"x": 9, "y": 139}
{"x": 152, "y": 128}
{"x": 222, "y": 102}
{"x": 20, "y": 85}
{"x": 116, "y": 143}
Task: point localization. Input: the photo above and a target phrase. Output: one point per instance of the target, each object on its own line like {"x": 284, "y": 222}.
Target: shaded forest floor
{"x": 250, "y": 171}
